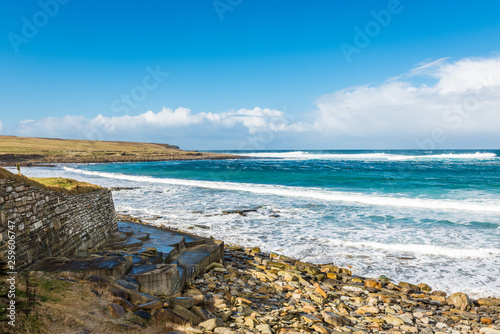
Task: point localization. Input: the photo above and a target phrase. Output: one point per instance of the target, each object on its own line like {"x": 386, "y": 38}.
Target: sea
{"x": 414, "y": 216}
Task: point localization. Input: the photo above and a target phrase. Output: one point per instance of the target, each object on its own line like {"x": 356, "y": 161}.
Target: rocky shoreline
{"x": 42, "y": 161}
{"x": 257, "y": 292}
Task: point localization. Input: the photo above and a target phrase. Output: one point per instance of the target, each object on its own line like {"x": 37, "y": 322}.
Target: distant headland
{"x": 28, "y": 151}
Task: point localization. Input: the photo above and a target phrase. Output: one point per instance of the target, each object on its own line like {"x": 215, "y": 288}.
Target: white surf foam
{"x": 447, "y": 257}
{"x": 310, "y": 193}
{"x": 303, "y": 155}
{"x": 419, "y": 249}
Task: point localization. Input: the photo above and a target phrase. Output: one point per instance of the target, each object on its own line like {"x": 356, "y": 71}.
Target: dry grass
{"x": 47, "y": 146}
{"x": 27, "y": 150}
{"x": 75, "y": 307}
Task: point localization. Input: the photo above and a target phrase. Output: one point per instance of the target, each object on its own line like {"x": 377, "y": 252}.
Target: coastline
{"x": 169, "y": 207}
{"x": 272, "y": 293}
{"x": 29, "y": 161}
{"x": 29, "y": 151}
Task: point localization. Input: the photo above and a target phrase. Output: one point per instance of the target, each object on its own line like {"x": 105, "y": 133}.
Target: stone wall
{"x": 50, "y": 223}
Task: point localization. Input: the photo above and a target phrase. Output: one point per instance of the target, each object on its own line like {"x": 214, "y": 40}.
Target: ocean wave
{"x": 309, "y": 193}
{"x": 304, "y": 155}
{"x": 396, "y": 250}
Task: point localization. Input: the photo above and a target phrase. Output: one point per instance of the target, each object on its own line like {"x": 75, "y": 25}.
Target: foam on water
{"x": 443, "y": 247}
{"x": 304, "y": 155}
{"x": 311, "y": 193}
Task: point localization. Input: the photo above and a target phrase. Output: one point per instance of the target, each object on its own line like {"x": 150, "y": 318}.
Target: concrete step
{"x": 158, "y": 260}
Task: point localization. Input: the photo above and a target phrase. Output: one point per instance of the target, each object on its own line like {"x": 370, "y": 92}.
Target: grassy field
{"x": 28, "y": 150}
{"x": 66, "y": 186}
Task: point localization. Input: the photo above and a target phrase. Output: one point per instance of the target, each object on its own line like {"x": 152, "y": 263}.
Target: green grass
{"x": 66, "y": 186}
{"x": 60, "y": 182}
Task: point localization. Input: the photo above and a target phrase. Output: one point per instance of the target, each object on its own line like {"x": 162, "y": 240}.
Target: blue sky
{"x": 253, "y": 74}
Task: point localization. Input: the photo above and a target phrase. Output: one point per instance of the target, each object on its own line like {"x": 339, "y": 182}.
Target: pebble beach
{"x": 256, "y": 292}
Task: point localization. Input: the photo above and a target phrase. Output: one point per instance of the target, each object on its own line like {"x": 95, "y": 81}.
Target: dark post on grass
{"x": 18, "y": 168}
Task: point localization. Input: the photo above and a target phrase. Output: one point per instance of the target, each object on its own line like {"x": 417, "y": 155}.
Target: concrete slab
{"x": 115, "y": 265}
{"x": 165, "y": 280}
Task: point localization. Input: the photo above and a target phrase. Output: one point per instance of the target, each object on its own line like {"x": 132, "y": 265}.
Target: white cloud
{"x": 1, "y": 126}
{"x": 175, "y": 126}
{"x": 441, "y": 104}
{"x": 462, "y": 102}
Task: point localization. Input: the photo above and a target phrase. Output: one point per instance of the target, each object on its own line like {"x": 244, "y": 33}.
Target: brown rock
{"x": 201, "y": 313}
{"x": 439, "y": 293}
{"x": 211, "y": 324}
{"x": 186, "y": 302}
{"x": 321, "y": 292}
{"x": 329, "y": 269}
{"x": 395, "y": 321}
{"x": 486, "y": 321}
{"x": 225, "y": 315}
{"x": 333, "y": 276}
{"x": 264, "y": 329}
{"x": 224, "y": 330}
{"x": 408, "y": 286}
{"x": 116, "y": 310}
{"x": 438, "y": 298}
{"x": 165, "y": 315}
{"x": 488, "y": 301}
{"x": 367, "y": 309}
{"x": 137, "y": 298}
{"x": 187, "y": 315}
{"x": 119, "y": 293}
{"x": 424, "y": 287}
{"x": 320, "y": 329}
{"x": 255, "y": 250}
{"x": 310, "y": 319}
{"x": 242, "y": 300}
{"x": 250, "y": 322}
{"x": 331, "y": 318}
{"x": 124, "y": 303}
{"x": 373, "y": 284}
{"x": 312, "y": 270}
{"x": 460, "y": 300}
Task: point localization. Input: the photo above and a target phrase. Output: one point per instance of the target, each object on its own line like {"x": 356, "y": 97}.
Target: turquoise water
{"x": 428, "y": 175}
{"x": 417, "y": 216}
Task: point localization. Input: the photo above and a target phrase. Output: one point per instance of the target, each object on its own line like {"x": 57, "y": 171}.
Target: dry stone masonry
{"x": 50, "y": 223}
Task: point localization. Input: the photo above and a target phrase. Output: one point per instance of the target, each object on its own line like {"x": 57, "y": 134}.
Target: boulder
{"x": 143, "y": 314}
{"x": 211, "y": 324}
{"x": 187, "y": 315}
{"x": 116, "y": 310}
{"x": 460, "y": 301}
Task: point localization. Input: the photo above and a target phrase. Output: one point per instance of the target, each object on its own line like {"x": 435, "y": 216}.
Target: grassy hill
{"x": 28, "y": 150}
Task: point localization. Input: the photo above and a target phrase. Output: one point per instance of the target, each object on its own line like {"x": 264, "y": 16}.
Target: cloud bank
{"x": 438, "y": 104}
{"x": 462, "y": 103}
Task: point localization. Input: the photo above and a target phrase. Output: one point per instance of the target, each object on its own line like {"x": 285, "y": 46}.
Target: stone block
{"x": 187, "y": 315}
{"x": 165, "y": 280}
{"x": 116, "y": 310}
